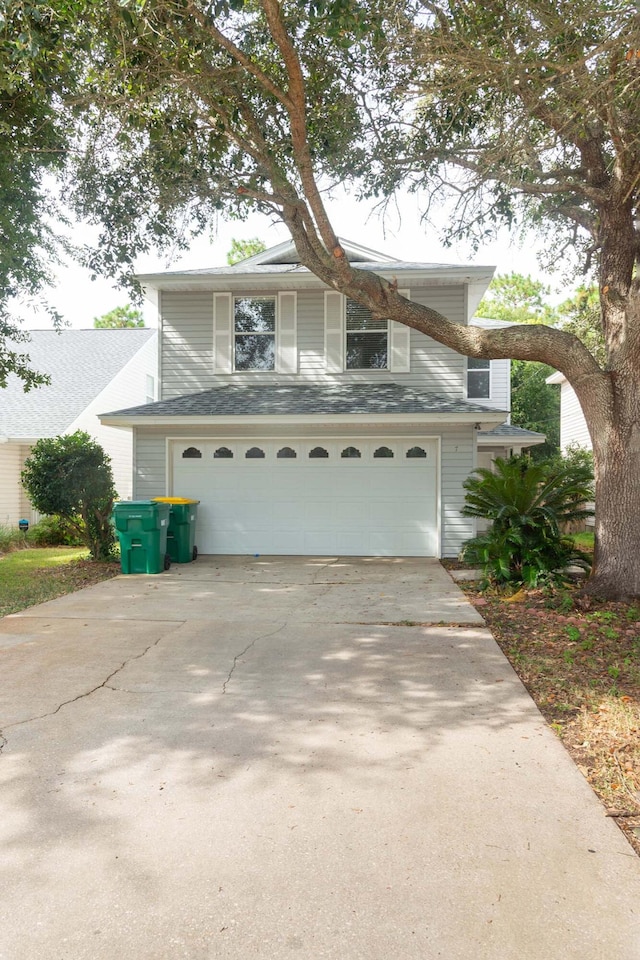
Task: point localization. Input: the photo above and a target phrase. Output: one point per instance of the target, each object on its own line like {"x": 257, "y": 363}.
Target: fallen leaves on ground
{"x": 580, "y": 662}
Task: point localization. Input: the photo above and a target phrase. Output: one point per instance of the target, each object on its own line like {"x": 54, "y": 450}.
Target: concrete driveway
{"x": 279, "y": 757}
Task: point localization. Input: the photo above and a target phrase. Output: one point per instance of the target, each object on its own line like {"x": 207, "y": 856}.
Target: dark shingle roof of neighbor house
{"x": 312, "y": 399}
{"x": 81, "y": 363}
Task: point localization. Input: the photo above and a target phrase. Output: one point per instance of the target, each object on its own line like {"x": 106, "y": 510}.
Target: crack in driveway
{"x": 238, "y": 656}
{"x": 81, "y": 696}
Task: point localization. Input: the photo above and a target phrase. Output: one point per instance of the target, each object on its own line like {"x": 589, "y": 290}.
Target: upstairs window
{"x": 478, "y": 378}
{"x": 367, "y": 339}
{"x": 254, "y": 325}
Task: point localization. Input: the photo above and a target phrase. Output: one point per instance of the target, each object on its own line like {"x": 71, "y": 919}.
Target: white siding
{"x": 457, "y": 461}
{"x": 11, "y": 459}
{"x": 573, "y": 426}
{"x": 14, "y": 503}
{"x": 127, "y": 389}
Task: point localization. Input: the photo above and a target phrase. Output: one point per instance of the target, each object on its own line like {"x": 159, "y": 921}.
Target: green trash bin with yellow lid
{"x": 181, "y": 535}
{"x": 142, "y": 527}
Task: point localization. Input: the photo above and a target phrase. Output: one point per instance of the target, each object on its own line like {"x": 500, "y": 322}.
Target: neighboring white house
{"x": 573, "y": 426}
{"x": 303, "y": 425}
{"x": 89, "y": 369}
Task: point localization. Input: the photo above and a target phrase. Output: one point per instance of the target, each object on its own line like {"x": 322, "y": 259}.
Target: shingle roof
{"x": 510, "y": 432}
{"x": 80, "y": 363}
{"x": 311, "y": 399}
{"x": 280, "y": 268}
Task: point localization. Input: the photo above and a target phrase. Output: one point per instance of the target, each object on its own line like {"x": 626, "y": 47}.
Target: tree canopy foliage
{"x": 41, "y": 60}
{"x": 242, "y": 249}
{"x": 120, "y": 318}
{"x": 517, "y": 299}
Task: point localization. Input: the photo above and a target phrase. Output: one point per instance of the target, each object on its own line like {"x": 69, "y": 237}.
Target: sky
{"x": 400, "y": 234}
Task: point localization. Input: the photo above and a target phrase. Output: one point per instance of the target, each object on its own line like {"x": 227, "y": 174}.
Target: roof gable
{"x": 286, "y": 252}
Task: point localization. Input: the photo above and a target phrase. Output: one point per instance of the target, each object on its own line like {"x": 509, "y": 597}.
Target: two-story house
{"x": 304, "y": 426}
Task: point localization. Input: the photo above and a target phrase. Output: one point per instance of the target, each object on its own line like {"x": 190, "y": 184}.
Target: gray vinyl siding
{"x": 150, "y": 470}
{"x": 457, "y": 461}
{"x": 500, "y": 398}
{"x": 187, "y": 343}
{"x": 187, "y": 346}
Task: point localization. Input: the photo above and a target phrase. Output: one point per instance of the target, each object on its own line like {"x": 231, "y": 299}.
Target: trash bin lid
{"x": 124, "y": 505}
{"x": 174, "y": 500}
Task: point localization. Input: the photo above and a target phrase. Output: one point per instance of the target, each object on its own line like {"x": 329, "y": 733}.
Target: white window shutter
{"x": 400, "y": 348}
{"x": 286, "y": 333}
{"x": 334, "y": 331}
{"x": 222, "y": 333}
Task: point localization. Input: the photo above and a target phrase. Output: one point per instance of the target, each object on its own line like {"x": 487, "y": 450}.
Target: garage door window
{"x": 351, "y": 453}
{"x": 223, "y": 453}
{"x": 254, "y": 324}
{"x": 383, "y": 452}
{"x": 254, "y": 453}
{"x": 416, "y": 452}
{"x": 191, "y": 453}
{"x": 318, "y": 453}
{"x": 286, "y": 453}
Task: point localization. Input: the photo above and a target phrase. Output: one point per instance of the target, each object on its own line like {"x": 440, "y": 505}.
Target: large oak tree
{"x": 524, "y": 110}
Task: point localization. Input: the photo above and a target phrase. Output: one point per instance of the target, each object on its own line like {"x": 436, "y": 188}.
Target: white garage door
{"x": 347, "y": 497}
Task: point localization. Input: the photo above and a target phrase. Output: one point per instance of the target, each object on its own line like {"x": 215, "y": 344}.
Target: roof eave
{"x": 506, "y": 441}
{"x": 446, "y": 276}
{"x": 484, "y": 420}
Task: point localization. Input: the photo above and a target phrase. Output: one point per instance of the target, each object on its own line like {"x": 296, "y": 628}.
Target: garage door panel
{"x": 348, "y": 506}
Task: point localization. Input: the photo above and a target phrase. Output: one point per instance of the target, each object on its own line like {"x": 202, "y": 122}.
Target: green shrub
{"x": 54, "y": 532}
{"x": 528, "y": 504}
{"x": 70, "y": 477}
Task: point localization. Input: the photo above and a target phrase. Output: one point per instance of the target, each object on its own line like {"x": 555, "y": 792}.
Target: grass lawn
{"x": 584, "y": 541}
{"x": 35, "y": 575}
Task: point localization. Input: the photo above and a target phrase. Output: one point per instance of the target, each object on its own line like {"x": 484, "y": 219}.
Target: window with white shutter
{"x": 334, "y": 331}
{"x": 286, "y": 333}
{"x": 355, "y": 341}
{"x": 222, "y": 333}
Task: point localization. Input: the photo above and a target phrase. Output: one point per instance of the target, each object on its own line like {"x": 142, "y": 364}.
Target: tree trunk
{"x": 616, "y": 450}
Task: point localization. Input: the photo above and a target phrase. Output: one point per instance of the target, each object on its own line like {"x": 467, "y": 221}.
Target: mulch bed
{"x": 580, "y": 661}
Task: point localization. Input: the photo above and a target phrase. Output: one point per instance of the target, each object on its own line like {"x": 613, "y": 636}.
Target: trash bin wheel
{"x": 167, "y": 561}
{"x": 194, "y": 553}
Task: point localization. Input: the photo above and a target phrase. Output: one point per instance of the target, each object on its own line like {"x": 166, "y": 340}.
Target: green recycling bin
{"x": 181, "y": 538}
{"x": 142, "y": 527}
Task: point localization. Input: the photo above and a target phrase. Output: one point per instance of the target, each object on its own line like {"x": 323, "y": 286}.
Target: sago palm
{"x": 528, "y": 504}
